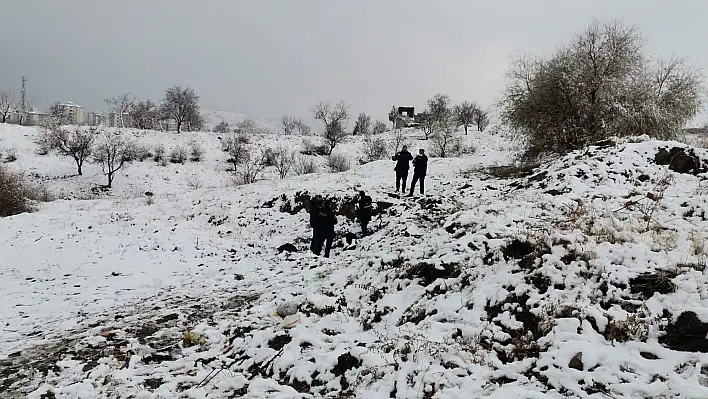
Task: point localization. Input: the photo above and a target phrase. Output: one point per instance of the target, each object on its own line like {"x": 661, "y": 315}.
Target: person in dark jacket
{"x": 322, "y": 221}
{"x": 366, "y": 209}
{"x": 420, "y": 168}
{"x": 402, "y": 159}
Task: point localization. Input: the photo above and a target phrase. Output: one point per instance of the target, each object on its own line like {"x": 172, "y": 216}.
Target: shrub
{"x": 11, "y": 155}
{"x": 159, "y": 153}
{"x": 338, "y": 163}
{"x": 250, "y": 169}
{"x": 269, "y": 157}
{"x": 305, "y": 165}
{"x": 142, "y": 153}
{"x": 379, "y": 127}
{"x": 178, "y": 154}
{"x": 310, "y": 148}
{"x": 14, "y": 193}
{"x": 222, "y": 127}
{"x": 284, "y": 161}
{"x": 194, "y": 182}
{"x": 238, "y": 154}
{"x": 195, "y": 152}
{"x": 375, "y": 148}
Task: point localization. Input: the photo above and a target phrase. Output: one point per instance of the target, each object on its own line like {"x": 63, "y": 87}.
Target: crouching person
{"x": 366, "y": 209}
{"x": 322, "y": 221}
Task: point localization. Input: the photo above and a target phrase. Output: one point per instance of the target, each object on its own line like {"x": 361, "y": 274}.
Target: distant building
{"x": 697, "y": 130}
{"x": 112, "y": 120}
{"x": 404, "y": 117}
{"x": 74, "y": 113}
{"x": 35, "y": 118}
{"x": 92, "y": 119}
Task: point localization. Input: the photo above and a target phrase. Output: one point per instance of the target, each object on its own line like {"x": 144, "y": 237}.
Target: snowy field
{"x": 583, "y": 277}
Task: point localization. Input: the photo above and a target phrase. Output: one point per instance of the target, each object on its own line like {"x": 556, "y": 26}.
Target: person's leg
{"x": 364, "y": 227}
{"x": 398, "y": 182}
{"x": 422, "y": 185}
{"x": 328, "y": 245}
{"x": 403, "y": 187}
{"x": 415, "y": 179}
{"x": 317, "y": 241}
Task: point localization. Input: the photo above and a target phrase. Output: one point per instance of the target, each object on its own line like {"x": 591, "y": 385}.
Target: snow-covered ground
{"x": 581, "y": 278}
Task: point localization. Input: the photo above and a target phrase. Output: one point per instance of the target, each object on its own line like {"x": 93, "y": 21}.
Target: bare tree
{"x": 362, "y": 125}
{"x": 251, "y": 168}
{"x": 289, "y": 124}
{"x": 379, "y": 127}
{"x": 284, "y": 160}
{"x": 439, "y": 108}
{"x": 465, "y": 114}
{"x": 237, "y": 150}
{"x": 180, "y": 104}
{"x": 445, "y": 139}
{"x": 59, "y": 113}
{"x": 222, "y": 127}
{"x": 375, "y": 148}
{"x": 601, "y": 84}
{"x": 120, "y": 105}
{"x": 334, "y": 118}
{"x": 113, "y": 151}
{"x": 247, "y": 127}
{"x": 144, "y": 114}
{"x": 481, "y": 119}
{"x": 5, "y": 105}
{"x": 427, "y": 124}
{"x": 194, "y": 121}
{"x": 303, "y": 129}
{"x": 77, "y": 143}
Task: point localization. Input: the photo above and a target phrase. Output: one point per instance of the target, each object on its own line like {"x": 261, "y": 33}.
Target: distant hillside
{"x": 214, "y": 117}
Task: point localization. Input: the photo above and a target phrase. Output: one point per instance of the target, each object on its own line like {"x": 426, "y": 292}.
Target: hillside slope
{"x": 581, "y": 278}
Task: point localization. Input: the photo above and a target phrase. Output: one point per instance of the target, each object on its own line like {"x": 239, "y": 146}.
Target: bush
{"x": 142, "y": 153}
{"x": 222, "y": 127}
{"x": 379, "y": 127}
{"x": 250, "y": 169}
{"x": 284, "y": 160}
{"x": 178, "y": 154}
{"x": 195, "y": 152}
{"x": 338, "y": 163}
{"x": 305, "y": 165}
{"x": 238, "y": 154}
{"x": 11, "y": 155}
{"x": 15, "y": 193}
{"x": 600, "y": 85}
{"x": 310, "y": 148}
{"x": 375, "y": 148}
{"x": 269, "y": 157}
{"x": 159, "y": 153}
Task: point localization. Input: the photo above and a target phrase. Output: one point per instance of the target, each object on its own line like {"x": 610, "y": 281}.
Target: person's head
{"x": 421, "y": 151}
{"x": 361, "y": 193}
{"x": 404, "y": 148}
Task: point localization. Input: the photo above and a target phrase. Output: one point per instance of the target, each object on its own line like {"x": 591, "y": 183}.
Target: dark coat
{"x": 420, "y": 165}
{"x": 402, "y": 159}
{"x": 322, "y": 220}
{"x": 366, "y": 208}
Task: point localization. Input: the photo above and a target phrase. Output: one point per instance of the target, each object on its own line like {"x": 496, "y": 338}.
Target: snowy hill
{"x": 583, "y": 277}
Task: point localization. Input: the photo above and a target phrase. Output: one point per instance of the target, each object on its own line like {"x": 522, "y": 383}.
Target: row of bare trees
{"x": 180, "y": 104}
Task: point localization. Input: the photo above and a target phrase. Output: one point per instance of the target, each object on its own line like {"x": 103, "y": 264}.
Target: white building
{"x": 112, "y": 120}
{"x": 92, "y": 119}
{"x": 74, "y": 113}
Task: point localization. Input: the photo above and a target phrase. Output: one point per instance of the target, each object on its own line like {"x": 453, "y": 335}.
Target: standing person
{"x": 402, "y": 159}
{"x": 420, "y": 168}
{"x": 322, "y": 221}
{"x": 366, "y": 208}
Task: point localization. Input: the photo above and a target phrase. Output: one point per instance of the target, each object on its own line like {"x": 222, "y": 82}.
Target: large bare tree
{"x": 601, "y": 84}
{"x": 334, "y": 119}
{"x": 144, "y": 114}
{"x": 120, "y": 105}
{"x": 465, "y": 113}
{"x": 76, "y": 143}
{"x": 289, "y": 124}
{"x": 5, "y": 105}
{"x": 181, "y": 105}
{"x": 59, "y": 114}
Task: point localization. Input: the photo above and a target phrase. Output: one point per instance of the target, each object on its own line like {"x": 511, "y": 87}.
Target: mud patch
{"x": 428, "y": 273}
{"x": 648, "y": 284}
{"x": 687, "y": 334}
{"x": 681, "y": 160}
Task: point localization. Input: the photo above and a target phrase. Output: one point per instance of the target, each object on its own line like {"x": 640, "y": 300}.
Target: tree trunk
{"x": 465, "y": 130}
{"x": 79, "y": 164}
{"x": 179, "y": 126}
{"x": 110, "y": 179}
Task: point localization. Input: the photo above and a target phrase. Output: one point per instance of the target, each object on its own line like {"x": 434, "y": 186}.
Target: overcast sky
{"x": 269, "y": 58}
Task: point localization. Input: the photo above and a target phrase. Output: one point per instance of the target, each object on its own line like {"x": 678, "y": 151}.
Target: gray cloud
{"x": 268, "y": 58}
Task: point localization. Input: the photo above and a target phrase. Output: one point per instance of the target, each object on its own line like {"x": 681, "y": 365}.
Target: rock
{"x": 577, "y": 362}
{"x": 687, "y": 333}
{"x": 287, "y": 248}
{"x": 681, "y": 160}
{"x": 345, "y": 362}
{"x": 287, "y": 309}
{"x": 648, "y": 355}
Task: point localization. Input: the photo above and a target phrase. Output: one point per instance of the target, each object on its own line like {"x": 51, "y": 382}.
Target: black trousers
{"x": 319, "y": 239}
{"x": 401, "y": 177}
{"x": 416, "y": 178}
{"x": 364, "y": 222}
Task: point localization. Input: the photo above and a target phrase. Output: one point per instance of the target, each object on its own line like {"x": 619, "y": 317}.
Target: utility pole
{"x": 24, "y": 100}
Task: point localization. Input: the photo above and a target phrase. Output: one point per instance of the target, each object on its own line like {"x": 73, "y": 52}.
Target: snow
{"x": 441, "y": 301}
